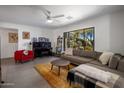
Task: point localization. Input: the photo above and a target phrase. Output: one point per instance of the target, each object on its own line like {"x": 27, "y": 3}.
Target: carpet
{"x": 52, "y": 75}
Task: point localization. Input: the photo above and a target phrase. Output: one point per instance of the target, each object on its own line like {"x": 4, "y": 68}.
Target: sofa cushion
{"x": 77, "y": 60}
{"x": 88, "y": 54}
{"x": 69, "y": 51}
{"x": 76, "y": 52}
{"x": 104, "y": 58}
{"x": 113, "y": 62}
{"x": 96, "y": 62}
{"x": 105, "y": 68}
{"x": 121, "y": 65}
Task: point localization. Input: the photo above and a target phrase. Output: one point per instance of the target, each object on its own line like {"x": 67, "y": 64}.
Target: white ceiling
{"x": 33, "y": 15}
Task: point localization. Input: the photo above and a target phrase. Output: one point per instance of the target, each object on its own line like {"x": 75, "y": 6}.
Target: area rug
{"x": 52, "y": 77}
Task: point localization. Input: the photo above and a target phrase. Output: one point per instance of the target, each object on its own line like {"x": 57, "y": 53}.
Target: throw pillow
{"x": 25, "y": 52}
{"x": 113, "y": 62}
{"x": 121, "y": 65}
{"x": 104, "y": 58}
{"x": 69, "y": 51}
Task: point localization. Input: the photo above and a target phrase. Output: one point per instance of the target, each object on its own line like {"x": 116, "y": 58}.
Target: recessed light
{"x": 49, "y": 20}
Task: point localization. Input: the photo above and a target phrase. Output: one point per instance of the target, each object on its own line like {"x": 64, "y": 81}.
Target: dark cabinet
{"x": 42, "y": 48}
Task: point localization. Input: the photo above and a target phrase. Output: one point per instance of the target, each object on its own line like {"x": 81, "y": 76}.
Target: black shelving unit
{"x": 42, "y": 49}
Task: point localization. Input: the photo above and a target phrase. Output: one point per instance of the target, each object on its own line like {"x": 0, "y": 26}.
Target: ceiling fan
{"x": 49, "y": 17}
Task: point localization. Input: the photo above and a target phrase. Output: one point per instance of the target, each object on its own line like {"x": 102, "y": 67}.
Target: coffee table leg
{"x": 58, "y": 70}
{"x": 68, "y": 67}
{"x": 51, "y": 67}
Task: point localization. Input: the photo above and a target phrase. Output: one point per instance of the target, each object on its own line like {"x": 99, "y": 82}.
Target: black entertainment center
{"x": 42, "y": 49}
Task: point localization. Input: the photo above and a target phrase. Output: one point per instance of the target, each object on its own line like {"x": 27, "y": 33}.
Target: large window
{"x": 82, "y": 39}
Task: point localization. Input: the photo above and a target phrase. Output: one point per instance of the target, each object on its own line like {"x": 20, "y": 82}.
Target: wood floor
{"x": 55, "y": 80}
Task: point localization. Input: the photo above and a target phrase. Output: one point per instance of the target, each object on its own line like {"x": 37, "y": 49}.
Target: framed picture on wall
{"x": 26, "y": 35}
{"x": 13, "y": 37}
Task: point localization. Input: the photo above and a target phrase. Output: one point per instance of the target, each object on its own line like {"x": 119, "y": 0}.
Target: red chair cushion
{"x": 19, "y": 56}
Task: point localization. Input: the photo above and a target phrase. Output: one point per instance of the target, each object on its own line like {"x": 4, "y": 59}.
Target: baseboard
{"x": 7, "y": 58}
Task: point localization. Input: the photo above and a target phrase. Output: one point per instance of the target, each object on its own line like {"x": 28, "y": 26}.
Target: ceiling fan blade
{"x": 57, "y": 16}
{"x": 41, "y": 8}
{"x": 45, "y": 11}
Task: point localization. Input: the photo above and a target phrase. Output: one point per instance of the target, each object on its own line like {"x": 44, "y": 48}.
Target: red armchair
{"x": 20, "y": 57}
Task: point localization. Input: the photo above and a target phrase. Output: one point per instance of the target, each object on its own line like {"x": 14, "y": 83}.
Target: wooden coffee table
{"x": 60, "y": 63}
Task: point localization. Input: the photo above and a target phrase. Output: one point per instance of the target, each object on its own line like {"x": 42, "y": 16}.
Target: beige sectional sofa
{"x": 115, "y": 64}
{"x": 81, "y": 57}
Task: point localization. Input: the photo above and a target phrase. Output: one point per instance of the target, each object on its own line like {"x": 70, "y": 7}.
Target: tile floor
{"x": 23, "y": 75}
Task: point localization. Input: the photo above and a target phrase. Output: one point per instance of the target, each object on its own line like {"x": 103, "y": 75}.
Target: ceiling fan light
{"x": 49, "y": 20}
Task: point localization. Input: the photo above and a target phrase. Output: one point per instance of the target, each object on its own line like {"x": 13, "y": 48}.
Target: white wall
{"x": 102, "y": 28}
{"x": 34, "y": 32}
{"x": 7, "y": 49}
{"x": 117, "y": 32}
{"x": 109, "y": 31}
